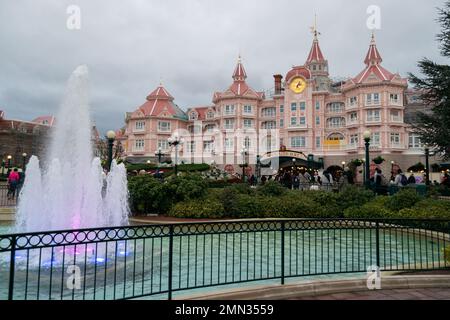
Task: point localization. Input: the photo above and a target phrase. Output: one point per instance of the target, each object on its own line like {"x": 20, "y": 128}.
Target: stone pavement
{"x": 394, "y": 294}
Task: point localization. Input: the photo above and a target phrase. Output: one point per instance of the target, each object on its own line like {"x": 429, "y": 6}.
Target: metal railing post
{"x": 12, "y": 268}
{"x": 170, "y": 262}
{"x": 377, "y": 245}
{"x": 282, "y": 252}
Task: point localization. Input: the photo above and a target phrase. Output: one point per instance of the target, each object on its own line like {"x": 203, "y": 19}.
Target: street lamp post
{"x": 258, "y": 168}
{"x": 159, "y": 154}
{"x": 110, "y": 136}
{"x": 293, "y": 163}
{"x": 9, "y": 161}
{"x": 175, "y": 141}
{"x": 367, "y": 135}
{"x": 244, "y": 153}
{"x": 3, "y": 167}
{"x": 427, "y": 165}
{"x": 24, "y": 158}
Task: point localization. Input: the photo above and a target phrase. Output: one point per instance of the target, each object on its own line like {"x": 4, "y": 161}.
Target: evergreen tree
{"x": 434, "y": 128}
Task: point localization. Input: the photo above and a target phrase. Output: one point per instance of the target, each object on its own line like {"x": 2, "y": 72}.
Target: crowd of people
{"x": 306, "y": 179}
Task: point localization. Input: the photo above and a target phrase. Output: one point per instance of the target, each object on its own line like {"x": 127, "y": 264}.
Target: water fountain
{"x": 68, "y": 189}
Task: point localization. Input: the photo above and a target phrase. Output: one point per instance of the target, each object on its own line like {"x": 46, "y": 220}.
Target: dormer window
{"x": 210, "y": 115}
{"x": 193, "y": 116}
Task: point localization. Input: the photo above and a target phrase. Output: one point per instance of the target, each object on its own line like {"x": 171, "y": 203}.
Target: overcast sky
{"x": 192, "y": 45}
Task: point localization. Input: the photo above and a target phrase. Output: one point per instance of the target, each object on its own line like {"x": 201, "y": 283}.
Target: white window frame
{"x": 229, "y": 110}
{"x": 375, "y": 139}
{"x": 248, "y": 123}
{"x": 139, "y": 125}
{"x": 210, "y": 115}
{"x": 354, "y": 139}
{"x": 397, "y": 118}
{"x": 414, "y": 141}
{"x": 139, "y": 145}
{"x": 395, "y": 139}
{"x": 269, "y": 112}
{"x": 248, "y": 109}
{"x": 318, "y": 142}
{"x": 394, "y": 98}
{"x": 373, "y": 99}
{"x": 229, "y": 144}
{"x": 298, "y": 142}
{"x": 165, "y": 128}
{"x": 370, "y": 115}
{"x": 228, "y": 124}
{"x": 163, "y": 144}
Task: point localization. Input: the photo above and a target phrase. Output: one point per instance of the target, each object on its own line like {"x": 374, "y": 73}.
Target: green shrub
{"x": 147, "y": 195}
{"x": 373, "y": 209}
{"x": 193, "y": 167}
{"x": 428, "y": 209}
{"x": 352, "y": 196}
{"x": 447, "y": 255}
{"x": 140, "y": 166}
{"x": 199, "y": 209}
{"x": 190, "y": 186}
{"x": 272, "y": 188}
{"x": 405, "y": 198}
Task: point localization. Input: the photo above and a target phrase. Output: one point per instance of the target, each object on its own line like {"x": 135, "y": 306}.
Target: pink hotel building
{"x": 306, "y": 114}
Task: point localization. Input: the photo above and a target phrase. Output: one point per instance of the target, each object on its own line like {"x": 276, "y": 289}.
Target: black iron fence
{"x": 7, "y": 199}
{"x": 141, "y": 261}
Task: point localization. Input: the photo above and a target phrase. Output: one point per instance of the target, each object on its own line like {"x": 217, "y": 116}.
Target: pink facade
{"x": 306, "y": 112}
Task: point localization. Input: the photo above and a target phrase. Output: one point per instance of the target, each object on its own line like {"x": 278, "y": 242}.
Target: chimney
{"x": 278, "y": 78}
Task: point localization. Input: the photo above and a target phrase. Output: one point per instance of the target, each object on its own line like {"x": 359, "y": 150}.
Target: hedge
{"x": 194, "y": 167}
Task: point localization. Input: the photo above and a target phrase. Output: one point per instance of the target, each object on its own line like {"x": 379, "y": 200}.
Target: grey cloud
{"x": 193, "y": 45}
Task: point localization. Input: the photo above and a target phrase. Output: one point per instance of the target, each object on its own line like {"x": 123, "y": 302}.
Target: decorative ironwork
{"x": 139, "y": 261}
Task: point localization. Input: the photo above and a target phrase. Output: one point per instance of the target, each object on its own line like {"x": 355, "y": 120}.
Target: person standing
{"x": 13, "y": 181}
{"x": 400, "y": 179}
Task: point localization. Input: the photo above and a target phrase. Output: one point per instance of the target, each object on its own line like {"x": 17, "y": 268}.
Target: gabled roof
{"x": 373, "y": 66}
{"x": 45, "y": 120}
{"x": 159, "y": 93}
{"x": 239, "y": 88}
{"x": 239, "y": 73}
{"x": 373, "y": 56}
{"x": 160, "y": 102}
{"x": 315, "y": 54}
{"x": 201, "y": 111}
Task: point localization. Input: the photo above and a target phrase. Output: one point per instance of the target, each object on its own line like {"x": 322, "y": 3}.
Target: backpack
{"x": 404, "y": 180}
{"x": 383, "y": 181}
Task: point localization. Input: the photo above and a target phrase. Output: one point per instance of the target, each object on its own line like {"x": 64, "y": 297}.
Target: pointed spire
{"x": 239, "y": 73}
{"x": 373, "y": 57}
{"x": 160, "y": 93}
{"x": 315, "y": 54}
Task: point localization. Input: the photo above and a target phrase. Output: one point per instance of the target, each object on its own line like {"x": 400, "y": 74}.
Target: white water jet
{"x": 68, "y": 192}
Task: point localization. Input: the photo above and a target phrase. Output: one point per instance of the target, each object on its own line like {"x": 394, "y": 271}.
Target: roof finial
{"x": 314, "y": 28}
{"x": 160, "y": 81}
{"x": 372, "y": 41}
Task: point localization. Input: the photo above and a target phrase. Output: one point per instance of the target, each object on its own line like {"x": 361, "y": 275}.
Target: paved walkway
{"x": 395, "y": 294}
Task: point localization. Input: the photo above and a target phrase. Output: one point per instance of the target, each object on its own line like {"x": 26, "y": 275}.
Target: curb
{"x": 316, "y": 288}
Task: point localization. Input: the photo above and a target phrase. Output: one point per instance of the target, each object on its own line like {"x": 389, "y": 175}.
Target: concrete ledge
{"x": 315, "y": 288}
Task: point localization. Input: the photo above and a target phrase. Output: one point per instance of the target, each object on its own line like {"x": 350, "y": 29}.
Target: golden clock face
{"x": 298, "y": 85}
